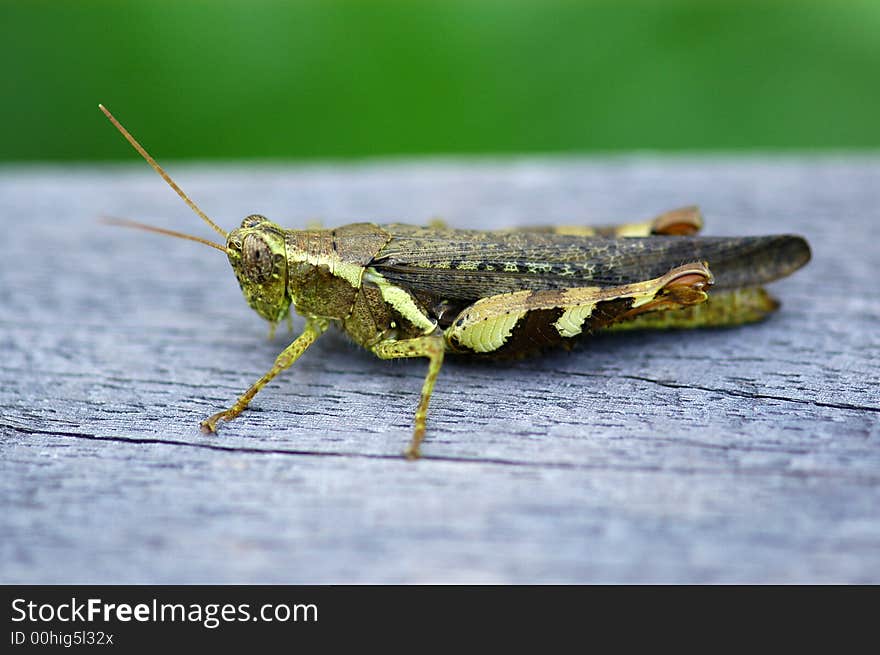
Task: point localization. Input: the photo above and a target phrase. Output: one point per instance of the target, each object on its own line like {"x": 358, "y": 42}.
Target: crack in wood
{"x": 727, "y": 392}
{"x": 506, "y": 462}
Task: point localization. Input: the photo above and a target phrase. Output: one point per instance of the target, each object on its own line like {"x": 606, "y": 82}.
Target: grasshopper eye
{"x": 257, "y": 258}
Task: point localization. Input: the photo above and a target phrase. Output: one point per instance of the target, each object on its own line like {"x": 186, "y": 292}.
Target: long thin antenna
{"x": 152, "y": 162}
{"x": 109, "y": 220}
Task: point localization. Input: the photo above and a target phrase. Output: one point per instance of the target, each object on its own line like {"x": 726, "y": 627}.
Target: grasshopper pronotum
{"x": 403, "y": 291}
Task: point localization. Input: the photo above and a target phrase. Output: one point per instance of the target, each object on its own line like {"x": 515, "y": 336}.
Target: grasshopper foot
{"x": 413, "y": 450}
{"x": 209, "y": 425}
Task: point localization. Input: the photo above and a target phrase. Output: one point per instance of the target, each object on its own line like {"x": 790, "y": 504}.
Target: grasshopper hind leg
{"x": 433, "y": 347}
{"x": 727, "y": 308}
{"x": 684, "y": 221}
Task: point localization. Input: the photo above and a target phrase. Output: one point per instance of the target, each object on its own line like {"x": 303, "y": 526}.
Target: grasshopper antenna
{"x": 123, "y": 222}
{"x": 152, "y": 162}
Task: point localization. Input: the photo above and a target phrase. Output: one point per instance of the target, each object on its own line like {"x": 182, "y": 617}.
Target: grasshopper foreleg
{"x": 431, "y": 347}
{"x": 314, "y": 328}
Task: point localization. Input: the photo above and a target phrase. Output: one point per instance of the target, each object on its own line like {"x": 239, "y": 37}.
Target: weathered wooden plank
{"x": 750, "y": 454}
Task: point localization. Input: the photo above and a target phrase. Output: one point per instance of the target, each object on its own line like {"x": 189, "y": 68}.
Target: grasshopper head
{"x": 257, "y": 253}
{"x": 256, "y": 250}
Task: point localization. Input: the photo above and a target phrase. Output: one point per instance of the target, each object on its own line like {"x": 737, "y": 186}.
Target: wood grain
{"x": 740, "y": 455}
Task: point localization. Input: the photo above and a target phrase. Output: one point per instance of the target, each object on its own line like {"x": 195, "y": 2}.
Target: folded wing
{"x": 465, "y": 265}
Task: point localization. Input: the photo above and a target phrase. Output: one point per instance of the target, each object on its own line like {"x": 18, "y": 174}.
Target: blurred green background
{"x": 353, "y": 78}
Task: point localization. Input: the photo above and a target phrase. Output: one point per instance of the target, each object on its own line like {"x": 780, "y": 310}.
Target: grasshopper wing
{"x": 466, "y": 265}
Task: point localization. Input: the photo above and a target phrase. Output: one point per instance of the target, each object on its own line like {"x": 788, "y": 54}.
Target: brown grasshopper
{"x": 404, "y": 291}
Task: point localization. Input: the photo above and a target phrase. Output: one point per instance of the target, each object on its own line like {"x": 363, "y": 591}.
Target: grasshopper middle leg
{"x": 432, "y": 347}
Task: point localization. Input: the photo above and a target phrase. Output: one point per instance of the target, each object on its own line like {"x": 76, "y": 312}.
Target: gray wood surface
{"x": 741, "y": 455}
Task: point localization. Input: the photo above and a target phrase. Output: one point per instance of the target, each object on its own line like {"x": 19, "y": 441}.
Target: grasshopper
{"x": 403, "y": 291}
